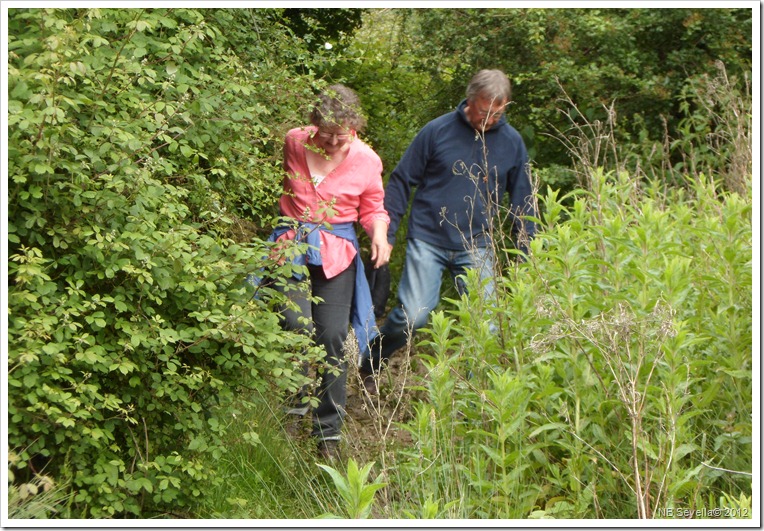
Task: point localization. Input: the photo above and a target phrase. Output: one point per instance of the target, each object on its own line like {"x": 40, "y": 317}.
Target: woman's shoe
{"x": 329, "y": 450}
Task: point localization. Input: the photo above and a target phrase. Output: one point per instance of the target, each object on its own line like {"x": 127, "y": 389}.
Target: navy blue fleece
{"x": 459, "y": 181}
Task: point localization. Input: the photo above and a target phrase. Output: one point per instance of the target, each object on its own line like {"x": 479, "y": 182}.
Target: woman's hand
{"x": 277, "y": 254}
{"x": 380, "y": 249}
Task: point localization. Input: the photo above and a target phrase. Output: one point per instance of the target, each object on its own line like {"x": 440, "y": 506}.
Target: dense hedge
{"x": 133, "y": 134}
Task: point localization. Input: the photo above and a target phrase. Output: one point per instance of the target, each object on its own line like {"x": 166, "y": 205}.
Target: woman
{"x": 333, "y": 180}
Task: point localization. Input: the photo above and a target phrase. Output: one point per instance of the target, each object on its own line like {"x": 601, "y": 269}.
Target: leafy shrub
{"x": 131, "y": 134}
{"x": 619, "y": 381}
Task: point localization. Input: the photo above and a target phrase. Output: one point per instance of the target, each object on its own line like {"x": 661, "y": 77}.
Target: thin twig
{"x": 726, "y": 470}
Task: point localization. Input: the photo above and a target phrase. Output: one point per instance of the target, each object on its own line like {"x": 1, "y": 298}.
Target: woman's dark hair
{"x": 338, "y": 105}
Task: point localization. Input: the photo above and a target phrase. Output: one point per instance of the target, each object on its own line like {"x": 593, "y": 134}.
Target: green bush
{"x": 619, "y": 381}
{"x": 131, "y": 132}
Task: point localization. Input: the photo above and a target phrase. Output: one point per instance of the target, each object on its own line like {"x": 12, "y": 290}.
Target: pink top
{"x": 351, "y": 192}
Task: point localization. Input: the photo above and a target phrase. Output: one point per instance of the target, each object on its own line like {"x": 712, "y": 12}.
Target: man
{"x": 461, "y": 164}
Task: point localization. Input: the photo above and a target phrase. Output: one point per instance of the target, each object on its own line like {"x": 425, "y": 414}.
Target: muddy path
{"x": 373, "y": 424}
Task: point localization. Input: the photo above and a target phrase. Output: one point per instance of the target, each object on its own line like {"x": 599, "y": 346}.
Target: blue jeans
{"x": 419, "y": 293}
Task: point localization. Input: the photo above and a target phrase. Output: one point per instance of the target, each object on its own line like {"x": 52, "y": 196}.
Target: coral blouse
{"x": 352, "y": 192}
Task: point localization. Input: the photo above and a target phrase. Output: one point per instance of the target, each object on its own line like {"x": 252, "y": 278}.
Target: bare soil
{"x": 372, "y": 424}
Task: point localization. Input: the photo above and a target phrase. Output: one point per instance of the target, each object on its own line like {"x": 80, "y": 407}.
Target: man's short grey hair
{"x": 490, "y": 84}
{"x": 338, "y": 105}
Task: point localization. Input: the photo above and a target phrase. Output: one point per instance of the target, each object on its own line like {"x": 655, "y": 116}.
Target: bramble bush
{"x": 137, "y": 139}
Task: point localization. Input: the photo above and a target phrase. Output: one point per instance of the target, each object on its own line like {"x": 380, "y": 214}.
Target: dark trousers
{"x": 328, "y": 323}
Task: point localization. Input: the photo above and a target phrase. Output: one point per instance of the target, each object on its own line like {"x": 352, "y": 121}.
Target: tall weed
{"x": 623, "y": 385}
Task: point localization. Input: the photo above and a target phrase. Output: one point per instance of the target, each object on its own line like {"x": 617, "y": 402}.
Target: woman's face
{"x": 333, "y": 138}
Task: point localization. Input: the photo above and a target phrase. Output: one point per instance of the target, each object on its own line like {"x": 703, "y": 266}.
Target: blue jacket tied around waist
{"x": 361, "y": 312}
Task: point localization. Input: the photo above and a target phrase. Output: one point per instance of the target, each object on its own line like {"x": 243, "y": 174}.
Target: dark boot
{"x": 329, "y": 450}
{"x": 369, "y": 382}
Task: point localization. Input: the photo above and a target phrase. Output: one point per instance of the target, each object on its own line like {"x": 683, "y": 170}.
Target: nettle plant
{"x": 619, "y": 382}
{"x": 131, "y": 132}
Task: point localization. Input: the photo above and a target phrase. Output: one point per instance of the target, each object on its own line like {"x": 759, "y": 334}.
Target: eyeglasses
{"x": 341, "y": 137}
{"x": 489, "y": 114}
{"x": 494, "y": 112}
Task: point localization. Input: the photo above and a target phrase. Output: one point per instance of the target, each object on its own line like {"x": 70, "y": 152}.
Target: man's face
{"x": 483, "y": 113}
